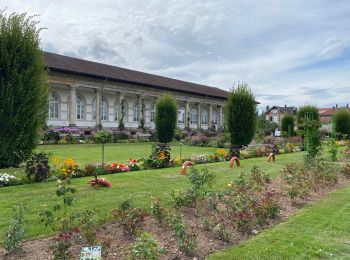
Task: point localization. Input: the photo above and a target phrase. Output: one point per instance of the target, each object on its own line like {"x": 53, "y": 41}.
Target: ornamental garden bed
{"x": 200, "y": 221}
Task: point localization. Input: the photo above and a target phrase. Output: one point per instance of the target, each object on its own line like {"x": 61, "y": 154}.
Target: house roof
{"x": 324, "y": 112}
{"x": 284, "y": 109}
{"x": 70, "y": 65}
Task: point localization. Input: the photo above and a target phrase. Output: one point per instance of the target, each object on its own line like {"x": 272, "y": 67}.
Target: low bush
{"x": 87, "y": 225}
{"x": 9, "y": 180}
{"x": 345, "y": 170}
{"x": 16, "y": 231}
{"x": 145, "y": 247}
{"x": 158, "y": 210}
{"x": 37, "y": 167}
{"x": 221, "y": 232}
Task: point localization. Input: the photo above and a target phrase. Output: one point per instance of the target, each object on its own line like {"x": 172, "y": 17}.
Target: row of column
{"x": 199, "y": 116}
{"x": 73, "y": 110}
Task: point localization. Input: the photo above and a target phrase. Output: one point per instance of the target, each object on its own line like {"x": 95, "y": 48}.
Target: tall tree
{"x": 288, "y": 124}
{"x": 241, "y": 117}
{"x": 341, "y": 120}
{"x": 166, "y": 118}
{"x": 23, "y": 88}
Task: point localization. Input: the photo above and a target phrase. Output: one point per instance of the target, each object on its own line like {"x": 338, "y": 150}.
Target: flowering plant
{"x": 133, "y": 165}
{"x": 8, "y": 180}
{"x": 68, "y": 130}
{"x": 69, "y": 167}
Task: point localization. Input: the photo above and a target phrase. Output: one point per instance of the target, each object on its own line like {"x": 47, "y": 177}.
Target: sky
{"x": 290, "y": 52}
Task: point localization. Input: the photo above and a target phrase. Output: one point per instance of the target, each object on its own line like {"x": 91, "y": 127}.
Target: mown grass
{"x": 117, "y": 152}
{"x": 319, "y": 231}
{"x": 141, "y": 185}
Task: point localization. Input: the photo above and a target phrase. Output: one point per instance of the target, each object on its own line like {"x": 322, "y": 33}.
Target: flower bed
{"x": 8, "y": 180}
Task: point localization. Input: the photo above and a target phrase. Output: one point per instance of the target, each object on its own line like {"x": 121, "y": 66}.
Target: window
{"x": 193, "y": 117}
{"x": 53, "y": 106}
{"x": 136, "y": 110}
{"x": 80, "y": 108}
{"x": 181, "y": 115}
{"x": 103, "y": 109}
{"x": 153, "y": 112}
{"x": 215, "y": 117}
{"x": 204, "y": 117}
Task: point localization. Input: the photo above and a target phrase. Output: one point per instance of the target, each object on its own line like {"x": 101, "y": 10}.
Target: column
{"x": 120, "y": 112}
{"x": 210, "y": 116}
{"x": 140, "y": 110}
{"x": 199, "y": 118}
{"x": 98, "y": 107}
{"x": 187, "y": 115}
{"x": 220, "y": 123}
{"x": 73, "y": 106}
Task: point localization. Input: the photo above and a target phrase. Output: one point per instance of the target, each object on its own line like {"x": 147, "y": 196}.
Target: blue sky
{"x": 290, "y": 52}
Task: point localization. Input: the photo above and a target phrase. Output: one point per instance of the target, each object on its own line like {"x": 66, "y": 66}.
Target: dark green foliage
{"x": 265, "y": 127}
{"x": 303, "y": 112}
{"x": 288, "y": 125}
{"x": 166, "y": 118}
{"x": 38, "y": 168}
{"x": 308, "y": 120}
{"x": 241, "y": 115}
{"x": 23, "y": 88}
{"x": 341, "y": 121}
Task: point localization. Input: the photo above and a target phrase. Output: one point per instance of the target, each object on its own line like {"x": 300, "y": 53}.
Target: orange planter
{"x": 184, "y": 166}
{"x": 271, "y": 156}
{"x": 233, "y": 160}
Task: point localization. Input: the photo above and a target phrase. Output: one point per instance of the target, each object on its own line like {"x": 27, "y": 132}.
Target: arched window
{"x": 136, "y": 110}
{"x": 205, "y": 116}
{"x": 153, "y": 112}
{"x": 215, "y": 117}
{"x": 80, "y": 107}
{"x": 53, "y": 106}
{"x": 103, "y": 109}
{"x": 181, "y": 115}
{"x": 193, "y": 117}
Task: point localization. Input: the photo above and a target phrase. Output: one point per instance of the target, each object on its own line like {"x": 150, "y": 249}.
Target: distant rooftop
{"x": 70, "y": 65}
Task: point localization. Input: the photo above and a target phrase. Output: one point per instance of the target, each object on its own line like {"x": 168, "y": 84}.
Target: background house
{"x": 276, "y": 113}
{"x": 326, "y": 115}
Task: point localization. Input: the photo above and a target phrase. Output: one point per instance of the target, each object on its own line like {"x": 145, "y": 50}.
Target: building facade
{"x": 80, "y": 87}
{"x": 326, "y": 117}
{"x": 276, "y": 113}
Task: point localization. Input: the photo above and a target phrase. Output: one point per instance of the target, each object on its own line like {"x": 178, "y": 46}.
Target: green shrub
{"x": 87, "y": 225}
{"x": 221, "y": 232}
{"x": 240, "y": 117}
{"x": 166, "y": 118}
{"x": 37, "y": 167}
{"x": 341, "y": 121}
{"x": 23, "y": 88}
{"x": 16, "y": 231}
{"x": 306, "y": 112}
{"x": 131, "y": 220}
{"x": 158, "y": 210}
{"x": 145, "y": 247}
{"x": 288, "y": 125}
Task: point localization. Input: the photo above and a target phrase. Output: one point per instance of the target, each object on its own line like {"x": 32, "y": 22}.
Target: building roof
{"x": 330, "y": 111}
{"x": 285, "y": 109}
{"x": 70, "y": 65}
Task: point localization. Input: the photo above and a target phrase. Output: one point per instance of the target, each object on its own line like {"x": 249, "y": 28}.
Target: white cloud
{"x": 274, "y": 46}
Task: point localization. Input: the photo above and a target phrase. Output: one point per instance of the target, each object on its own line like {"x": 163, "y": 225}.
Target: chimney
{"x": 267, "y": 108}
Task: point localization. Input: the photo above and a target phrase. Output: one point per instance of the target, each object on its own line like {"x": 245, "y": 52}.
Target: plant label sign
{"x": 91, "y": 253}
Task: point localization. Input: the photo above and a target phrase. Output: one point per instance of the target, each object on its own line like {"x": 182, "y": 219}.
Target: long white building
{"x": 78, "y": 87}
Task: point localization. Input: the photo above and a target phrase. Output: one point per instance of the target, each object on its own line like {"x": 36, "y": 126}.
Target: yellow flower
{"x": 229, "y": 185}
{"x": 221, "y": 152}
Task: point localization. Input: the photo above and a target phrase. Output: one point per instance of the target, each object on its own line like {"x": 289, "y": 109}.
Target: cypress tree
{"x": 341, "y": 121}
{"x": 240, "y": 116}
{"x": 165, "y": 118}
{"x": 23, "y": 88}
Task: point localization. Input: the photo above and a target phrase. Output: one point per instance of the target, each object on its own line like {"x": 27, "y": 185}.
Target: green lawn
{"x": 116, "y": 152}
{"x": 318, "y": 231}
{"x": 142, "y": 185}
